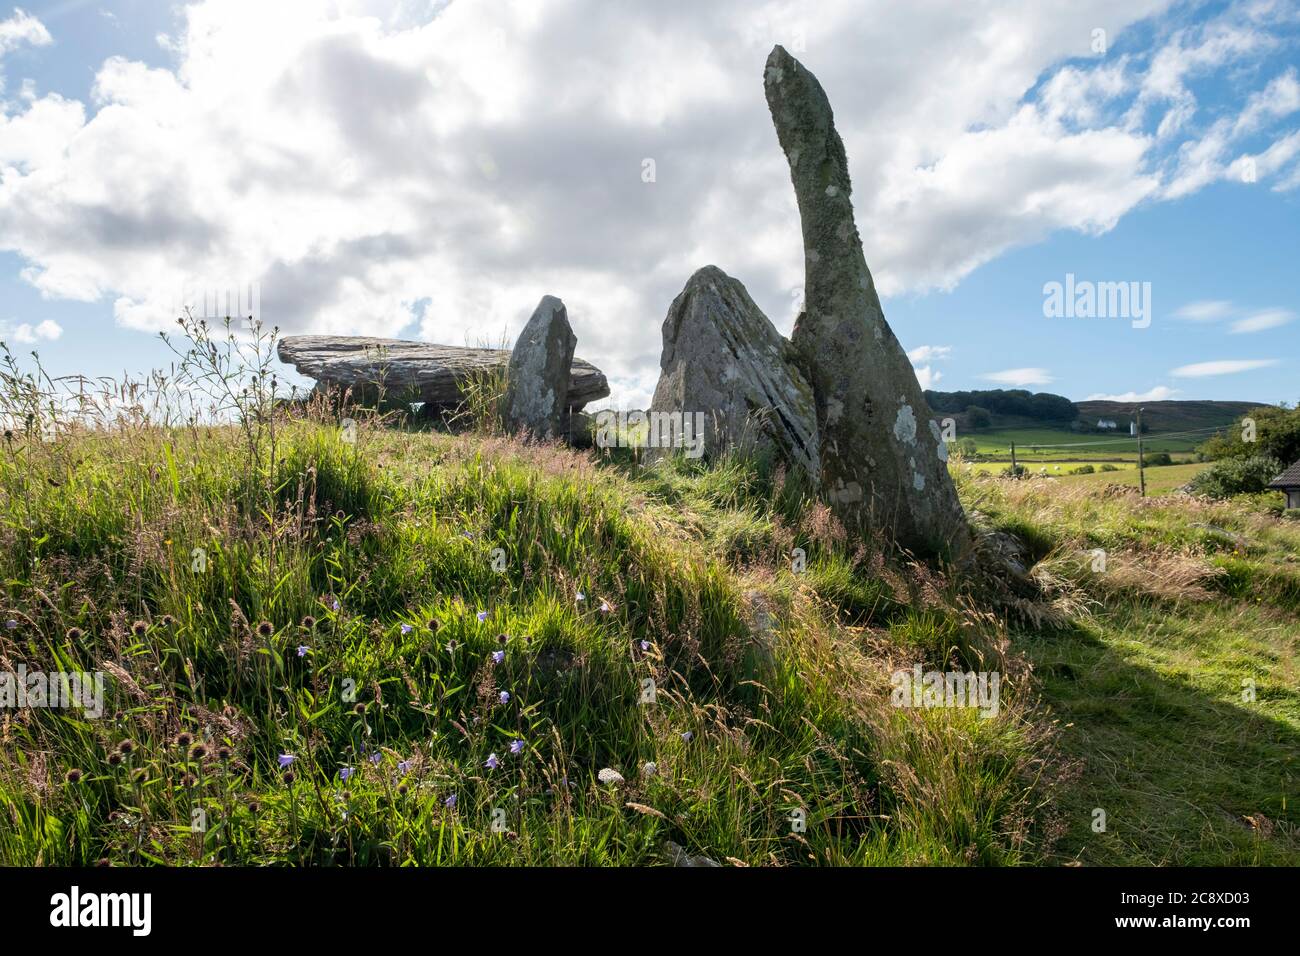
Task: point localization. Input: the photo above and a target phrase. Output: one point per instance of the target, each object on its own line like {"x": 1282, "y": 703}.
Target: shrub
{"x": 1236, "y": 476}
{"x": 1158, "y": 459}
{"x": 1083, "y": 470}
{"x": 1109, "y": 468}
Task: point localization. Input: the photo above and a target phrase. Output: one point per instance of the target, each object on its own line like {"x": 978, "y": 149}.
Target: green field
{"x": 1159, "y": 480}
{"x": 1054, "y": 444}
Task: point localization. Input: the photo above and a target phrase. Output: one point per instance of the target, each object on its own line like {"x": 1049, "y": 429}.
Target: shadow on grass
{"x": 1184, "y": 778}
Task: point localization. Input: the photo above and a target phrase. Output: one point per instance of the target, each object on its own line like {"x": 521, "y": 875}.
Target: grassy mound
{"x": 380, "y": 647}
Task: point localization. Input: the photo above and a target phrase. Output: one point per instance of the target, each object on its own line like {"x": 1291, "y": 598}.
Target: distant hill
{"x": 1167, "y": 416}
{"x": 1017, "y": 408}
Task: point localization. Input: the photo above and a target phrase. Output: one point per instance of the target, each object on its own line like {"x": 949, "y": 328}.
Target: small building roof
{"x": 1288, "y": 479}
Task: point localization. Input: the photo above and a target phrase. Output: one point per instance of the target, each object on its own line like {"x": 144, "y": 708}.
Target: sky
{"x": 430, "y": 170}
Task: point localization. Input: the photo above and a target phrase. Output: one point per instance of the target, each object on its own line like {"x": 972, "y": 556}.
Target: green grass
{"x": 1062, "y": 444}
{"x": 1178, "y": 694}
{"x": 418, "y": 556}
{"x": 1159, "y": 480}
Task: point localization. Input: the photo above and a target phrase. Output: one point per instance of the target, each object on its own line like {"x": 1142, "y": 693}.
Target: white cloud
{"x": 386, "y": 173}
{"x": 22, "y": 28}
{"x": 1205, "y": 311}
{"x": 929, "y": 353}
{"x": 928, "y": 376}
{"x": 27, "y": 334}
{"x": 1159, "y": 393}
{"x": 1222, "y": 367}
{"x": 1259, "y": 321}
{"x": 1020, "y": 377}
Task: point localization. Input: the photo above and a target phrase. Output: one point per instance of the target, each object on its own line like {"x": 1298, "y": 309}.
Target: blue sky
{"x": 429, "y": 170}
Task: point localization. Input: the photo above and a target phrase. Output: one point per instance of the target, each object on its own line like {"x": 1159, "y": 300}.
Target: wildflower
{"x": 308, "y": 623}
{"x": 75, "y": 633}
{"x": 649, "y": 769}
{"x": 285, "y": 760}
{"x": 404, "y": 766}
{"x": 167, "y": 620}
{"x": 498, "y": 657}
{"x": 610, "y": 776}
{"x": 482, "y": 616}
{"x": 516, "y": 746}
{"x": 401, "y": 789}
{"x": 224, "y": 753}
{"x": 451, "y": 647}
{"x": 345, "y": 773}
{"x": 433, "y": 625}
{"x": 407, "y": 629}
{"x": 290, "y": 776}
{"x": 139, "y": 628}
{"x": 688, "y": 736}
{"x": 502, "y": 639}
{"x": 189, "y": 780}
{"x": 605, "y": 608}
{"x": 334, "y": 605}
{"x": 198, "y": 752}
{"x": 184, "y": 739}
{"x": 375, "y": 758}
{"x": 450, "y": 802}
{"x": 302, "y": 650}
{"x": 581, "y": 596}
{"x": 254, "y": 807}
{"x": 467, "y": 536}
{"x": 115, "y": 760}
{"x": 504, "y": 697}
{"x": 265, "y": 629}
{"x": 492, "y": 762}
{"x": 645, "y": 645}
{"x": 126, "y": 747}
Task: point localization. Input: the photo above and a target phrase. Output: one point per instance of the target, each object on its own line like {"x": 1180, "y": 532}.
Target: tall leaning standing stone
{"x": 884, "y": 465}
{"x": 537, "y": 383}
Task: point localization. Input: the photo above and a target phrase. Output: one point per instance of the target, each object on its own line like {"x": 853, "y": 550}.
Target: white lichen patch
{"x": 834, "y": 410}
{"x": 832, "y": 190}
{"x": 905, "y": 425}
{"x": 918, "y": 481}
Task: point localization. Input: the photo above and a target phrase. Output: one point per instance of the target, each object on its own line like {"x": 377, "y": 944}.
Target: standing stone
{"x": 537, "y": 384}
{"x": 722, "y": 357}
{"x": 884, "y": 465}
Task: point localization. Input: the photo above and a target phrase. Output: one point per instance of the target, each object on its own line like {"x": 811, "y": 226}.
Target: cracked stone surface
{"x": 723, "y": 357}
{"x": 882, "y": 469}
{"x": 413, "y": 371}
